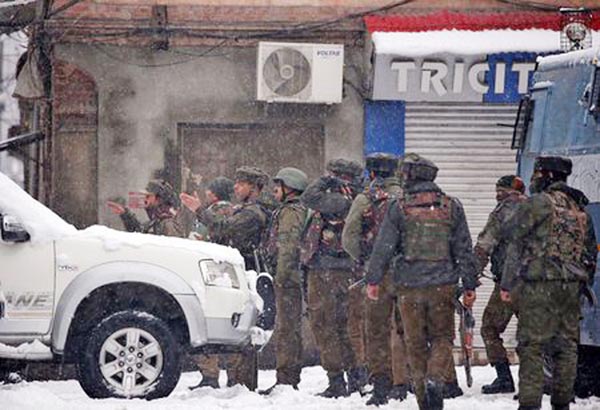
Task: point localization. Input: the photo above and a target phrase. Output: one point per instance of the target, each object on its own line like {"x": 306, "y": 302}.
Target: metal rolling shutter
{"x": 472, "y": 152}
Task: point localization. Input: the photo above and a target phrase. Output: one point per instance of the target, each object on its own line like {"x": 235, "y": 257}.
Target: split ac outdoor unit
{"x": 300, "y": 73}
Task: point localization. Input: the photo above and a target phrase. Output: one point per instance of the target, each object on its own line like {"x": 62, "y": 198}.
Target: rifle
{"x": 467, "y": 325}
{"x": 359, "y": 283}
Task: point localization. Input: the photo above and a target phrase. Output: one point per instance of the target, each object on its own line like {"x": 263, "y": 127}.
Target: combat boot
{"x": 206, "y": 382}
{"x": 381, "y": 389}
{"x": 268, "y": 391}
{"x": 434, "y": 399}
{"x": 337, "y": 387}
{"x": 561, "y": 406}
{"x": 451, "y": 390}
{"x": 504, "y": 382}
{"x": 399, "y": 392}
{"x": 357, "y": 380}
{"x": 529, "y": 408}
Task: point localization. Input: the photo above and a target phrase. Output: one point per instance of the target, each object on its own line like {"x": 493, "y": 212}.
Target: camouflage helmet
{"x": 381, "y": 162}
{"x": 293, "y": 178}
{"x": 416, "y": 167}
{"x": 254, "y": 175}
{"x": 511, "y": 182}
{"x": 163, "y": 190}
{"x": 341, "y": 166}
{"x": 553, "y": 164}
{"x": 222, "y": 187}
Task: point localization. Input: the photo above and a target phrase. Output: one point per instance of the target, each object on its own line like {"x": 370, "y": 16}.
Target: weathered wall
{"x": 143, "y": 95}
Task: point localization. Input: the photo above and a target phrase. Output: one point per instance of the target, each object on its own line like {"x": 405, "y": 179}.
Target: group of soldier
{"x": 379, "y": 261}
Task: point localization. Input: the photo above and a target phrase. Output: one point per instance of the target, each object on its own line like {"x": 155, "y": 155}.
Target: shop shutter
{"x": 470, "y": 145}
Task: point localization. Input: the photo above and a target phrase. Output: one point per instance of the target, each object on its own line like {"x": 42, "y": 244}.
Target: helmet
{"x": 553, "y": 164}
{"x": 254, "y": 175}
{"x": 511, "y": 182}
{"x": 416, "y": 167}
{"x": 340, "y": 166}
{"x": 381, "y": 162}
{"x": 163, "y": 190}
{"x": 222, "y": 187}
{"x": 293, "y": 178}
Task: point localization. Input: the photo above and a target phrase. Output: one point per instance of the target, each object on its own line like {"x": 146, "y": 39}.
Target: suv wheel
{"x": 129, "y": 354}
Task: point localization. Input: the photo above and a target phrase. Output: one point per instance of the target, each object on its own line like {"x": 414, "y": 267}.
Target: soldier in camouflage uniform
{"x": 160, "y": 204}
{"x": 218, "y": 194}
{"x": 360, "y": 230}
{"x": 425, "y": 237}
{"x": 497, "y": 314}
{"x": 283, "y": 248}
{"x": 330, "y": 272}
{"x": 558, "y": 256}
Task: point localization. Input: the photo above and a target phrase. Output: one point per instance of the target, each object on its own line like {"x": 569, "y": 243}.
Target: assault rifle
{"x": 467, "y": 325}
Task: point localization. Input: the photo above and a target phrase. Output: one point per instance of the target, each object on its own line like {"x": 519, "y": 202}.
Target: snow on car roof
{"x": 464, "y": 42}
{"x": 43, "y": 225}
{"x": 40, "y": 222}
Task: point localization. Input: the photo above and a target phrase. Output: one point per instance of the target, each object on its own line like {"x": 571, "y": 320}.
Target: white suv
{"x": 123, "y": 307}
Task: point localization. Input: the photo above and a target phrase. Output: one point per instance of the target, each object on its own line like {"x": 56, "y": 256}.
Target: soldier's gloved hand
{"x": 373, "y": 292}
{"x": 469, "y": 298}
{"x": 505, "y": 296}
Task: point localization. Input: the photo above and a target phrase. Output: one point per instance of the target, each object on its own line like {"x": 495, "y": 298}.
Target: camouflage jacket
{"x": 322, "y": 242}
{"x": 490, "y": 243}
{"x": 243, "y": 230}
{"x": 359, "y": 233}
{"x": 162, "y": 221}
{"x": 285, "y": 236}
{"x": 208, "y": 220}
{"x": 534, "y": 233}
{"x": 389, "y": 248}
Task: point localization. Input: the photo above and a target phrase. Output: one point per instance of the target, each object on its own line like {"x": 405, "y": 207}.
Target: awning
{"x": 21, "y": 140}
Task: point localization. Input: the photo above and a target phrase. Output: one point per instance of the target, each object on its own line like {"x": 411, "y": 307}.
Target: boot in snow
{"x": 451, "y": 390}
{"x": 381, "y": 389}
{"x": 357, "y": 380}
{"x": 337, "y": 387}
{"x": 434, "y": 399}
{"x": 398, "y": 392}
{"x": 504, "y": 382}
{"x": 206, "y": 382}
{"x": 268, "y": 391}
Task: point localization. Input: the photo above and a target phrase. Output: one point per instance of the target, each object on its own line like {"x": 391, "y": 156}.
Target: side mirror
{"x": 12, "y": 230}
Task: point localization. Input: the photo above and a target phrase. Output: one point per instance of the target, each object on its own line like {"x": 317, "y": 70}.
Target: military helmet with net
{"x": 381, "y": 162}
{"x": 553, "y": 164}
{"x": 511, "y": 182}
{"x": 292, "y": 178}
{"x": 254, "y": 175}
{"x": 163, "y": 190}
{"x": 416, "y": 167}
{"x": 221, "y": 187}
{"x": 343, "y": 167}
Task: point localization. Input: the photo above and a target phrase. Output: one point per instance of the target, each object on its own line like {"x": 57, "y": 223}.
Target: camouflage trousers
{"x": 288, "y": 332}
{"x": 241, "y": 367}
{"x": 549, "y": 314}
{"x": 328, "y": 309}
{"x": 208, "y": 365}
{"x": 496, "y": 316}
{"x": 357, "y": 331}
{"x": 428, "y": 321}
{"x": 386, "y": 352}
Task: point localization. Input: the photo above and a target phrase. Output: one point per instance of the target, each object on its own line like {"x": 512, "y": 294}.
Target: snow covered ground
{"x": 67, "y": 395}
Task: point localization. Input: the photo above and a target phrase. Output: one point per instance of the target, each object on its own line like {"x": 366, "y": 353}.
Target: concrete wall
{"x": 143, "y": 95}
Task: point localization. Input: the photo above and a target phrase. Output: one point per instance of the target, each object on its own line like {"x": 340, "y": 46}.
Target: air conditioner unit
{"x": 300, "y": 73}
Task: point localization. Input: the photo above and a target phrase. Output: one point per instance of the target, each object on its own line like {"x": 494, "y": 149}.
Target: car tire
{"x": 129, "y": 354}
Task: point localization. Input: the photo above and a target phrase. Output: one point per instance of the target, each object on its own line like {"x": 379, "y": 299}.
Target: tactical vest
{"x": 568, "y": 229}
{"x": 428, "y": 222}
{"x": 372, "y": 217}
{"x": 271, "y": 244}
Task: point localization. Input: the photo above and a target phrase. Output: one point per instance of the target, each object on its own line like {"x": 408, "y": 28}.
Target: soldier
{"x": 330, "y": 272}
{"x": 497, "y": 314}
{"x": 218, "y": 195}
{"x": 425, "y": 232}
{"x": 360, "y": 230}
{"x": 557, "y": 257}
{"x": 284, "y": 249}
{"x": 160, "y": 203}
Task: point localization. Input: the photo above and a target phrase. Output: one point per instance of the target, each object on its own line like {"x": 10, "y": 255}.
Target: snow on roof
{"x": 114, "y": 240}
{"x": 463, "y": 42}
{"x": 573, "y": 58}
{"x": 40, "y": 222}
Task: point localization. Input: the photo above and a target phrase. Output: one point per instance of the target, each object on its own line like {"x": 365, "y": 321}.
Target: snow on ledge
{"x": 463, "y": 42}
{"x": 35, "y": 350}
{"x": 41, "y": 223}
{"x": 574, "y": 58}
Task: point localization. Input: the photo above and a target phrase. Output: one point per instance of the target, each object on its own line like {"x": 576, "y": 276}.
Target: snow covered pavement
{"x": 67, "y": 395}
